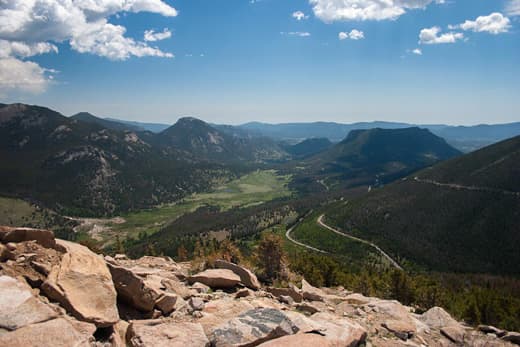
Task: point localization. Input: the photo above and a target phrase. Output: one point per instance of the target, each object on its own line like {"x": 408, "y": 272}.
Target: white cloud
{"x": 30, "y": 27}
{"x": 430, "y": 36}
{"x": 335, "y": 10}
{"x": 22, "y": 76}
{"x": 297, "y": 33}
{"x": 299, "y": 15}
{"x": 417, "y": 51}
{"x": 151, "y": 35}
{"x": 353, "y": 35}
{"x": 513, "y": 8}
{"x": 24, "y": 50}
{"x": 495, "y": 23}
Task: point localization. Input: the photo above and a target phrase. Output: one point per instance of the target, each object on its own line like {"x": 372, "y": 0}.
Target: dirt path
{"x": 383, "y": 253}
{"x": 462, "y": 187}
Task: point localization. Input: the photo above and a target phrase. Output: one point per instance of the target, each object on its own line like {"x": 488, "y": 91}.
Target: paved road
{"x": 289, "y": 237}
{"x": 462, "y": 187}
{"x": 383, "y": 253}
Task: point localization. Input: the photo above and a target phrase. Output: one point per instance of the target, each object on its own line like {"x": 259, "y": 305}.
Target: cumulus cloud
{"x": 495, "y": 23}
{"x": 336, "y": 10}
{"x": 23, "y": 76}
{"x": 30, "y": 27}
{"x": 151, "y": 35}
{"x": 513, "y": 8}
{"x": 417, "y": 51}
{"x": 430, "y": 36}
{"x": 353, "y": 35}
{"x": 24, "y": 50}
{"x": 299, "y": 15}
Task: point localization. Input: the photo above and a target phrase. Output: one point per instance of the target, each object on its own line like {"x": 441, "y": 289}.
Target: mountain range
{"x": 459, "y": 215}
{"x": 464, "y": 138}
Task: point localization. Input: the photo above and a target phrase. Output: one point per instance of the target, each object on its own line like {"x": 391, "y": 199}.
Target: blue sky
{"x": 237, "y": 60}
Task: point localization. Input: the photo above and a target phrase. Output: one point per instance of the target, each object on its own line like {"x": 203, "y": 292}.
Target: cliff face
{"x": 57, "y": 293}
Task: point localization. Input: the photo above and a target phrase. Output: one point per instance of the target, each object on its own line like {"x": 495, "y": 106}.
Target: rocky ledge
{"x": 58, "y": 293}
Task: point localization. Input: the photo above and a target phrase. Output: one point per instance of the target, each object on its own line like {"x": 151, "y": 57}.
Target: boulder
{"x": 253, "y": 328}
{"x": 437, "y": 318}
{"x": 312, "y": 293}
{"x": 216, "y": 278}
{"x": 53, "y": 333}
{"x": 247, "y": 278}
{"x": 200, "y": 288}
{"x": 512, "y": 337}
{"x": 82, "y": 284}
{"x": 489, "y": 329}
{"x": 339, "y": 331}
{"x": 43, "y": 237}
{"x": 285, "y": 299}
{"x": 243, "y": 293}
{"x": 132, "y": 289}
{"x": 18, "y": 306}
{"x": 218, "y": 311}
{"x": 291, "y": 291}
{"x": 455, "y": 333}
{"x": 401, "y": 329}
{"x": 156, "y": 333}
{"x": 306, "y": 307}
{"x": 196, "y": 304}
{"x": 300, "y": 340}
{"x": 166, "y": 303}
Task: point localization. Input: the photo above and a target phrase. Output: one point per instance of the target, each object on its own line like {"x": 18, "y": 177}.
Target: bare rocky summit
{"x": 57, "y": 293}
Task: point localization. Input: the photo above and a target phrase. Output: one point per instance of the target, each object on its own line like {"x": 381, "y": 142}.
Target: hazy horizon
{"x": 234, "y": 61}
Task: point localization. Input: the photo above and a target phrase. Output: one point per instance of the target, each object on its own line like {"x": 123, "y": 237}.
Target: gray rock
{"x": 18, "y": 307}
{"x": 253, "y": 328}
{"x": 156, "y": 333}
{"x": 196, "y": 304}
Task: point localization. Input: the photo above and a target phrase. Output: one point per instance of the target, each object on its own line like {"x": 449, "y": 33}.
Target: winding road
{"x": 383, "y": 253}
{"x": 462, "y": 187}
{"x": 289, "y": 237}
{"x": 322, "y": 224}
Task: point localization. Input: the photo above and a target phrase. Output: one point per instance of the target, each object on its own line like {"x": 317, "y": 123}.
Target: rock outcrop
{"x": 57, "y": 293}
{"x": 83, "y": 285}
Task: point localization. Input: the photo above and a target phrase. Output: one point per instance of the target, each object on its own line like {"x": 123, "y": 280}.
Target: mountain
{"x": 459, "y": 215}
{"x": 374, "y": 157}
{"x": 468, "y": 138}
{"x": 201, "y": 140}
{"x": 335, "y": 132}
{"x": 83, "y": 168}
{"x": 308, "y": 147}
{"x": 153, "y": 127}
{"x": 464, "y": 138}
{"x": 105, "y": 123}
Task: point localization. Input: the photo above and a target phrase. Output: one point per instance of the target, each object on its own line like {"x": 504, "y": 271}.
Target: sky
{"x": 235, "y": 61}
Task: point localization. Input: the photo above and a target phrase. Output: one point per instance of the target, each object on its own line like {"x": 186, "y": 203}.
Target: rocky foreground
{"x": 58, "y": 293}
